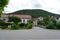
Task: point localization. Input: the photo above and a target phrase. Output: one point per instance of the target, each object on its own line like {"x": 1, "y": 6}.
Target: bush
{"x": 41, "y": 22}
{"x": 29, "y": 26}
{"x": 53, "y": 20}
{"x": 50, "y": 25}
{"x": 46, "y": 20}
{"x": 58, "y": 24}
{"x": 4, "y": 27}
{"x": 30, "y": 21}
{"x": 15, "y": 26}
{"x": 3, "y": 24}
{"x": 22, "y": 25}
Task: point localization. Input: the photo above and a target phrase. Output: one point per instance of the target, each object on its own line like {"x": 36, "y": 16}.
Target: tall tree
{"x": 14, "y": 19}
{"x": 3, "y": 3}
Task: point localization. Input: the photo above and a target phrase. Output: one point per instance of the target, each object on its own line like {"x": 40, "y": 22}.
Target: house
{"x": 59, "y": 19}
{"x": 40, "y": 18}
{"x": 36, "y": 19}
{"x": 24, "y": 18}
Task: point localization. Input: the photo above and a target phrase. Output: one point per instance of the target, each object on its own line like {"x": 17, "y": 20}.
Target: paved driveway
{"x": 33, "y": 34}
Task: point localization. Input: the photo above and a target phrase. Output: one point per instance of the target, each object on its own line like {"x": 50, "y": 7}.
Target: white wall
{"x": 59, "y": 18}
{"x": 35, "y": 22}
{"x": 26, "y": 20}
{"x": 40, "y": 18}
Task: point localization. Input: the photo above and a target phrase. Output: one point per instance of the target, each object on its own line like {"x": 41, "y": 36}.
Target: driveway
{"x": 32, "y": 34}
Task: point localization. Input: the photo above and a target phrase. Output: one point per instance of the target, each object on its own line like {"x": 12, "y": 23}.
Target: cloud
{"x": 49, "y": 5}
{"x": 36, "y": 4}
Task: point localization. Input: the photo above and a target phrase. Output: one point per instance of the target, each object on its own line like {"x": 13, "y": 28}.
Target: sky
{"x": 48, "y": 5}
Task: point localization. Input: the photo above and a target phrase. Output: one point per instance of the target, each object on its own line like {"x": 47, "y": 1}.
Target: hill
{"x": 35, "y": 13}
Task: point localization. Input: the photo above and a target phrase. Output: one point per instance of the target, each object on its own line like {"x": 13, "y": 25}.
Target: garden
{"x": 49, "y": 23}
{"x": 14, "y": 23}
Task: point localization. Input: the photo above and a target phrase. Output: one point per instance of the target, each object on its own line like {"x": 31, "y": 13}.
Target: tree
{"x": 50, "y": 25}
{"x": 53, "y": 20}
{"x": 3, "y": 3}
{"x": 58, "y": 24}
{"x": 46, "y": 20}
{"x": 41, "y": 22}
{"x": 14, "y": 19}
{"x": 2, "y": 24}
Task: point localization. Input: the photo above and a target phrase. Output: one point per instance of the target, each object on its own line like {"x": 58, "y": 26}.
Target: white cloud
{"x": 50, "y": 5}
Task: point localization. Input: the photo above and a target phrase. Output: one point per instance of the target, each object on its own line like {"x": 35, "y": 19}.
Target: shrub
{"x": 58, "y": 24}
{"x": 46, "y": 20}
{"x": 2, "y": 24}
{"x": 29, "y": 26}
{"x": 53, "y": 20}
{"x": 4, "y": 27}
{"x": 14, "y": 26}
{"x": 50, "y": 25}
{"x": 30, "y": 21}
{"x": 22, "y": 25}
{"x": 41, "y": 22}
